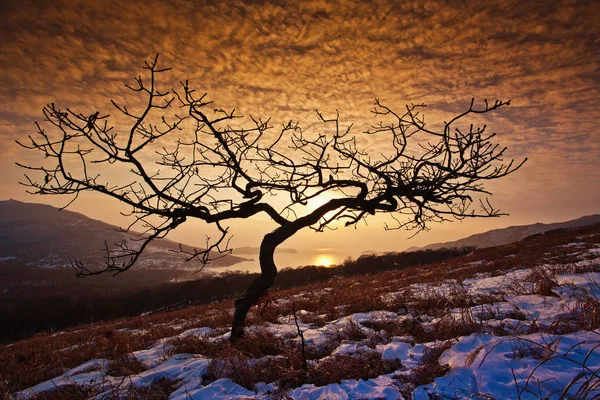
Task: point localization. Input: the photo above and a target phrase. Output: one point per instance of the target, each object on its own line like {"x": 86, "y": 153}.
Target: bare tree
{"x": 219, "y": 169}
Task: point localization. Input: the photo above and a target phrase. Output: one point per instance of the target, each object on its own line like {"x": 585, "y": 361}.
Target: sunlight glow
{"x": 323, "y": 260}
{"x": 319, "y": 201}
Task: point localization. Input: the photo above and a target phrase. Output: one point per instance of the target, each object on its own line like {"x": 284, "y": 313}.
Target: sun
{"x": 324, "y": 260}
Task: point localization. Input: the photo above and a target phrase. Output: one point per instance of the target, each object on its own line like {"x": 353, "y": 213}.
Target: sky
{"x": 283, "y": 60}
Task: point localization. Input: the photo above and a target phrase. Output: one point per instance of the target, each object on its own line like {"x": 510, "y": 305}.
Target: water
{"x": 293, "y": 260}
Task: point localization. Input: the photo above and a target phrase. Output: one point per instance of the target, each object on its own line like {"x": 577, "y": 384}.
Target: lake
{"x": 293, "y": 260}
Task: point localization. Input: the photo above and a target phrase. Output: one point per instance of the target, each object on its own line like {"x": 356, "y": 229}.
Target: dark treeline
{"x": 62, "y": 305}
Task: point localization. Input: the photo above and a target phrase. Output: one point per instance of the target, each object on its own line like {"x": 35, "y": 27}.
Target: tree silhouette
{"x": 220, "y": 169}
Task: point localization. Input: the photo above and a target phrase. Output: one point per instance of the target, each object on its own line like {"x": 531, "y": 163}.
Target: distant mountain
{"x": 498, "y": 237}
{"x": 255, "y": 250}
{"x": 372, "y": 252}
{"x": 44, "y": 236}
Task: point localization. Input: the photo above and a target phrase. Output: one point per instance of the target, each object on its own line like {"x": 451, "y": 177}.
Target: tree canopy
{"x": 186, "y": 159}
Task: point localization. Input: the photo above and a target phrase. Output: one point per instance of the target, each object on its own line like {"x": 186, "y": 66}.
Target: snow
{"x": 85, "y": 374}
{"x": 522, "y": 363}
{"x": 511, "y": 368}
{"x": 311, "y": 392}
{"x": 350, "y": 348}
{"x": 581, "y": 280}
{"x": 544, "y": 309}
{"x": 378, "y": 388}
{"x": 220, "y": 389}
{"x": 197, "y": 332}
{"x": 153, "y": 356}
{"x": 395, "y": 350}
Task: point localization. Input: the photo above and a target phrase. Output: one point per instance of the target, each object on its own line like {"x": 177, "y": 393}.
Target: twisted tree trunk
{"x": 261, "y": 284}
{"x": 267, "y": 264}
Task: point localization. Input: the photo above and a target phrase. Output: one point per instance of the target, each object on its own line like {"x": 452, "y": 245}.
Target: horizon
{"x": 324, "y": 250}
{"x": 284, "y": 62}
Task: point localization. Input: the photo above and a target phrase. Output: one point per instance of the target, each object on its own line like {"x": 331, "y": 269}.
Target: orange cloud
{"x": 284, "y": 59}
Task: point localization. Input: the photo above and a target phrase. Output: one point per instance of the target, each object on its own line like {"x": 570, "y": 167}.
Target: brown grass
{"x": 543, "y": 281}
{"x": 158, "y": 390}
{"x": 427, "y": 370}
{"x": 339, "y": 367}
{"x": 45, "y": 356}
{"x": 260, "y": 342}
{"x": 587, "y": 308}
{"x": 286, "y": 370}
{"x": 232, "y": 364}
{"x": 256, "y": 343}
{"x": 451, "y": 326}
{"x": 125, "y": 366}
{"x": 192, "y": 345}
{"x": 70, "y": 392}
{"x": 315, "y": 321}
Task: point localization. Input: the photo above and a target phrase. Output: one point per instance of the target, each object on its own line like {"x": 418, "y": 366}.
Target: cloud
{"x": 284, "y": 59}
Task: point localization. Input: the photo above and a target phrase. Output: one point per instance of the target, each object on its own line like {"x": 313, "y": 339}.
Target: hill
{"x": 43, "y": 236}
{"x": 509, "y": 322}
{"x": 256, "y": 250}
{"x": 499, "y": 237}
{"x": 38, "y": 290}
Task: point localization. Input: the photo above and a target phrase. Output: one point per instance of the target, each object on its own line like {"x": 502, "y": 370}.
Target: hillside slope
{"x": 518, "y": 321}
{"x": 41, "y": 235}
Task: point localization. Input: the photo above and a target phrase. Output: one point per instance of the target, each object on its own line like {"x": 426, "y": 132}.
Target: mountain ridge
{"x": 511, "y": 234}
{"x": 45, "y": 236}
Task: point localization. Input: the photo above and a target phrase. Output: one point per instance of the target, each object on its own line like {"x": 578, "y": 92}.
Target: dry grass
{"x": 338, "y": 367}
{"x": 386, "y": 329}
{"x": 70, "y": 392}
{"x": 232, "y": 364}
{"x": 125, "y": 366}
{"x": 584, "y": 315}
{"x": 426, "y": 373}
{"x": 525, "y": 348}
{"x": 158, "y": 390}
{"x": 427, "y": 370}
{"x": 45, "y": 356}
{"x": 313, "y": 319}
{"x": 260, "y": 342}
{"x": 587, "y": 308}
{"x": 192, "y": 345}
{"x": 318, "y": 352}
{"x": 542, "y": 281}
{"x": 352, "y": 332}
{"x": 408, "y": 326}
{"x": 455, "y": 325}
{"x": 256, "y": 343}
{"x": 286, "y": 369}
